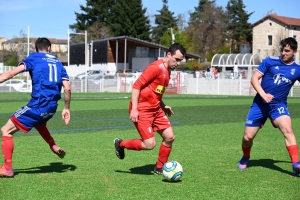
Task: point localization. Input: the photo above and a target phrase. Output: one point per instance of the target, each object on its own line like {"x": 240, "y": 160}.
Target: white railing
{"x": 188, "y": 84}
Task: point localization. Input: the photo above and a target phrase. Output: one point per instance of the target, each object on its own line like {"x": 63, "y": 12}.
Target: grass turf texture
{"x": 208, "y": 133}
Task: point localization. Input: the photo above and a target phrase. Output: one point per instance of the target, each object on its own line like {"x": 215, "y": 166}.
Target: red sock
{"x": 7, "y": 151}
{"x": 293, "y": 151}
{"x": 246, "y": 151}
{"x": 44, "y": 132}
{"x": 163, "y": 155}
{"x": 135, "y": 144}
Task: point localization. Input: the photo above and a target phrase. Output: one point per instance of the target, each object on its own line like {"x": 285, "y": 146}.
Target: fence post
{"x": 240, "y": 85}
{"x": 218, "y": 85}
{"x": 197, "y": 83}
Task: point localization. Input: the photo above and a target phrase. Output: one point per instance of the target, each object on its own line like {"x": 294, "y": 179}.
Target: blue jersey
{"x": 278, "y": 78}
{"x": 47, "y": 73}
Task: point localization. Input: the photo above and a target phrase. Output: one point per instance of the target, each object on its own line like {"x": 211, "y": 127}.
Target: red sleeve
{"x": 147, "y": 76}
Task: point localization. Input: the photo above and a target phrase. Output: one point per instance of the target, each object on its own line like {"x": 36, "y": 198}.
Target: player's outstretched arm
{"x": 66, "y": 116}
{"x": 11, "y": 73}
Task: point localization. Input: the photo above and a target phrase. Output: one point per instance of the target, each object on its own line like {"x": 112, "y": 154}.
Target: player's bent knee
{"x": 149, "y": 144}
{"x": 170, "y": 139}
{"x": 247, "y": 138}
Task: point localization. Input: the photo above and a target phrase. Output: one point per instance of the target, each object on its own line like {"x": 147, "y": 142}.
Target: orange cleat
{"x": 6, "y": 173}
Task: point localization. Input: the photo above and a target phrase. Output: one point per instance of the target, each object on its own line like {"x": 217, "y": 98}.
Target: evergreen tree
{"x": 195, "y": 17}
{"x": 238, "y": 28}
{"x": 94, "y": 11}
{"x": 102, "y": 18}
{"x": 129, "y": 19}
{"x": 164, "y": 21}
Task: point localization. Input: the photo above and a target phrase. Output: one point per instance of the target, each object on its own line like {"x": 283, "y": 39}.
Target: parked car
{"x": 108, "y": 80}
{"x": 128, "y": 79}
{"x": 122, "y": 71}
{"x": 26, "y": 88}
{"x": 16, "y": 84}
{"x": 90, "y": 73}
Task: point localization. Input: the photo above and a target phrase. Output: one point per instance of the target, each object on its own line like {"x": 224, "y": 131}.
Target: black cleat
{"x": 157, "y": 170}
{"x": 119, "y": 151}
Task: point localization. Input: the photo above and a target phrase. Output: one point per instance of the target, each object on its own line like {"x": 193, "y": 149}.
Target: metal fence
{"x": 181, "y": 83}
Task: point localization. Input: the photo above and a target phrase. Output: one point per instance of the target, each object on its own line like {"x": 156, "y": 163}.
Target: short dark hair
{"x": 289, "y": 41}
{"x": 176, "y": 46}
{"x": 42, "y": 44}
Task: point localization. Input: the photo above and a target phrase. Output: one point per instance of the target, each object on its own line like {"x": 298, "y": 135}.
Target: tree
{"x": 238, "y": 28}
{"x": 95, "y": 32}
{"x": 181, "y": 22}
{"x": 102, "y": 18}
{"x": 164, "y": 21}
{"x": 129, "y": 19}
{"x": 206, "y": 28}
{"x": 12, "y": 60}
{"x": 94, "y": 11}
{"x": 95, "y": 19}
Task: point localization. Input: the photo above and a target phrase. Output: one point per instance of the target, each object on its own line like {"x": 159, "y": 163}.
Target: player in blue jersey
{"x": 48, "y": 77}
{"x": 277, "y": 74}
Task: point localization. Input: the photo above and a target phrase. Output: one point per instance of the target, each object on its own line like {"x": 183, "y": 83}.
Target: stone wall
{"x": 278, "y": 31}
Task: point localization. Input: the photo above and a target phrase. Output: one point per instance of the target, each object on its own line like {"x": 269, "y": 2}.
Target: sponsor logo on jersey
{"x": 280, "y": 78}
{"x": 277, "y": 67}
{"x": 160, "y": 89}
{"x": 150, "y": 130}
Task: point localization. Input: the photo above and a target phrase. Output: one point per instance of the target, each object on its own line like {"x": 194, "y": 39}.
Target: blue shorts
{"x": 26, "y": 117}
{"x": 259, "y": 113}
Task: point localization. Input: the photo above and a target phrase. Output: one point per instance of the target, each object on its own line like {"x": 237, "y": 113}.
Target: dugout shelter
{"x": 236, "y": 62}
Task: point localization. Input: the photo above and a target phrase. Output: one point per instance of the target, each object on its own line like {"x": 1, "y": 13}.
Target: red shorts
{"x": 150, "y": 121}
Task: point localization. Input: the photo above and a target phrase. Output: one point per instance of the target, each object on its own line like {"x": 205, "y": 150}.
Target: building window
{"x": 270, "y": 40}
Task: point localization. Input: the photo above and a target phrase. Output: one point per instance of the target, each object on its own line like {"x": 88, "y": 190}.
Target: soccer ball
{"x": 172, "y": 171}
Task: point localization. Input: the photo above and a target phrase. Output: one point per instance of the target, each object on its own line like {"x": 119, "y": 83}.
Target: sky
{"x": 44, "y": 18}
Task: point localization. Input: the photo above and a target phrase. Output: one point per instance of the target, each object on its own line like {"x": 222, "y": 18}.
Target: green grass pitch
{"x": 208, "y": 133}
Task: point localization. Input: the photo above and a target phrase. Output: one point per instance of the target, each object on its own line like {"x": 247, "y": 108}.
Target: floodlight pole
{"x": 86, "y": 53}
{"x": 86, "y": 58}
{"x": 172, "y": 35}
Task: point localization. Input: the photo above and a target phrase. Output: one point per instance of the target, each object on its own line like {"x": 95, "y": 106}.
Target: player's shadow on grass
{"x": 145, "y": 170}
{"x": 57, "y": 167}
{"x": 268, "y": 163}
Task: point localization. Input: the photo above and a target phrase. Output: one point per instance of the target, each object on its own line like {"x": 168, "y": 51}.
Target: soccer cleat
{"x": 296, "y": 168}
{"x": 6, "y": 173}
{"x": 58, "y": 151}
{"x": 120, "y": 153}
{"x": 243, "y": 163}
{"x": 157, "y": 170}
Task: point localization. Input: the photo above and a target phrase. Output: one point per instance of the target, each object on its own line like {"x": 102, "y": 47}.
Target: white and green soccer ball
{"x": 172, "y": 171}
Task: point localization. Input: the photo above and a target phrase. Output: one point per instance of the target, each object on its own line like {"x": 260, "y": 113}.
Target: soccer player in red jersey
{"x": 148, "y": 111}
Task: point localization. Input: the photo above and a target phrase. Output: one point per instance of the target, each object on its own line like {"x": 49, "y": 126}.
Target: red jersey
{"x": 152, "y": 84}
